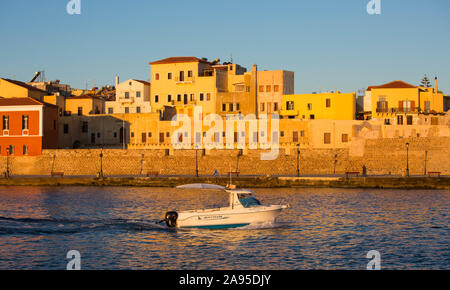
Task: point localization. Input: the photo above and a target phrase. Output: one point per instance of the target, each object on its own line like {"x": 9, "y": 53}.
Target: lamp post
{"x": 298, "y": 160}
{"x": 407, "y": 159}
{"x": 425, "y": 170}
{"x": 100, "y": 174}
{"x": 335, "y": 161}
{"x": 7, "y": 163}
{"x": 196, "y": 160}
{"x": 237, "y": 161}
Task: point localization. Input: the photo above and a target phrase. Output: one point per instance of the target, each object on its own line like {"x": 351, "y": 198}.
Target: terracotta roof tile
{"x": 393, "y": 85}
{"x": 19, "y": 102}
{"x": 24, "y": 85}
{"x": 179, "y": 59}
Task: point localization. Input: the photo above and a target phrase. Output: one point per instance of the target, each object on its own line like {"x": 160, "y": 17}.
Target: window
{"x": 230, "y": 107}
{"x": 387, "y": 121}
{"x": 132, "y": 134}
{"x": 127, "y": 110}
{"x": 144, "y": 137}
{"x": 189, "y": 74}
{"x": 328, "y": 103}
{"x": 25, "y": 149}
{"x": 312, "y": 117}
{"x": 115, "y": 134}
{"x": 127, "y": 95}
{"x": 282, "y": 133}
{"x": 427, "y": 106}
{"x": 238, "y": 107}
{"x": 169, "y": 76}
{"x": 327, "y": 138}
{"x": 66, "y": 128}
{"x": 276, "y": 88}
{"x": 169, "y": 98}
{"x": 290, "y": 105}
{"x": 268, "y": 89}
{"x": 25, "y": 125}
{"x": 178, "y": 98}
{"x": 156, "y": 76}
{"x": 224, "y": 107}
{"x": 156, "y": 98}
{"x": 201, "y": 96}
{"x": 275, "y": 107}
{"x": 110, "y": 111}
{"x": 309, "y": 107}
{"x": 167, "y": 134}
{"x": 344, "y": 138}
{"x": 208, "y": 97}
{"x": 138, "y": 94}
{"x": 399, "y": 120}
{"x": 262, "y": 107}
{"x": 80, "y": 111}
{"x": 11, "y": 149}
{"x": 409, "y": 120}
{"x": 261, "y": 89}
{"x": 295, "y": 136}
{"x": 192, "y": 97}
{"x": 181, "y": 76}
{"x": 302, "y": 133}
{"x": 84, "y": 127}
{"x": 138, "y": 110}
{"x": 149, "y": 134}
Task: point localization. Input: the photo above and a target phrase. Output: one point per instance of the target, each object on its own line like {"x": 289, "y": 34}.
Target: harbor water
{"x": 114, "y": 228}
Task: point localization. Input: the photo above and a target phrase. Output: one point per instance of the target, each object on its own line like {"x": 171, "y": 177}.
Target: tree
{"x": 425, "y": 82}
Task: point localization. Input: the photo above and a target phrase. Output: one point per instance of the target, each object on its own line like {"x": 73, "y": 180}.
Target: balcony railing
{"x": 396, "y": 110}
{"x": 184, "y": 80}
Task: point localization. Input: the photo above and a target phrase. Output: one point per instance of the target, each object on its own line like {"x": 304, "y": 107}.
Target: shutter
{"x": 413, "y": 106}
{"x": 400, "y": 106}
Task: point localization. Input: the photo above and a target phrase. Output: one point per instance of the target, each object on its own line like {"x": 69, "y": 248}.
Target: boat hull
{"x": 219, "y": 219}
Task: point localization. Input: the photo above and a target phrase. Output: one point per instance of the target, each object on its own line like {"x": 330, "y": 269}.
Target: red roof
{"x": 393, "y": 85}
{"x": 24, "y": 85}
{"x": 143, "y": 82}
{"x": 19, "y": 102}
{"x": 84, "y": 97}
{"x": 179, "y": 59}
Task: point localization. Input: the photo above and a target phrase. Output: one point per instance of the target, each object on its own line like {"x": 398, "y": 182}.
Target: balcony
{"x": 185, "y": 80}
{"x": 396, "y": 110}
{"x": 126, "y": 100}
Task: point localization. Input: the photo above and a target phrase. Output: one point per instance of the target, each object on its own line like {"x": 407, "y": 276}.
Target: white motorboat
{"x": 244, "y": 209}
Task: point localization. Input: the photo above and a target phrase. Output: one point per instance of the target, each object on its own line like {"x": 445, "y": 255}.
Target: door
{"x": 161, "y": 137}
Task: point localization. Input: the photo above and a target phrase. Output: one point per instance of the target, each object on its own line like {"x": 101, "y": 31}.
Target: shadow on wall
{"x": 97, "y": 131}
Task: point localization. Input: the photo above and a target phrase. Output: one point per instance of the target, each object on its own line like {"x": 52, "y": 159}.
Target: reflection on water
{"x": 114, "y": 228}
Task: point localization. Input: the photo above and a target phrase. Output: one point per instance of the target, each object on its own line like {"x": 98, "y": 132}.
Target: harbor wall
{"x": 380, "y": 156}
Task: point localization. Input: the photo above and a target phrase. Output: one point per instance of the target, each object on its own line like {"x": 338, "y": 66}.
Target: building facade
{"x": 28, "y": 126}
{"x": 132, "y": 96}
{"x": 331, "y": 106}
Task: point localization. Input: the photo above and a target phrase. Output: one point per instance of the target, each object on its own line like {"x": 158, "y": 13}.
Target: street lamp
{"x": 298, "y": 160}
{"x": 407, "y": 159}
{"x": 196, "y": 160}
{"x": 335, "y": 161}
{"x": 100, "y": 174}
{"x": 425, "y": 170}
{"x": 7, "y": 163}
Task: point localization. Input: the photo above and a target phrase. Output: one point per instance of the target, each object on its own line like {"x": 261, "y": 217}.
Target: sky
{"x": 330, "y": 45}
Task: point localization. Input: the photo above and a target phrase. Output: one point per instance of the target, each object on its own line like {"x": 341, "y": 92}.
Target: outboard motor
{"x": 171, "y": 219}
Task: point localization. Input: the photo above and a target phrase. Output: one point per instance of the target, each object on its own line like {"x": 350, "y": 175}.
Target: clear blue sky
{"x": 329, "y": 44}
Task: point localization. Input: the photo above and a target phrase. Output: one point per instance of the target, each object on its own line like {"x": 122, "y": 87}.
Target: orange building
{"x": 27, "y": 126}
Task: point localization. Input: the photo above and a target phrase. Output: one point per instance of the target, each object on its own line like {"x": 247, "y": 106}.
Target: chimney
{"x": 117, "y": 80}
{"x": 435, "y": 85}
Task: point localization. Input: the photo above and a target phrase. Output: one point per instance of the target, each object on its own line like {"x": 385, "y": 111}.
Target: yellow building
{"x": 16, "y": 89}
{"x": 332, "y": 106}
{"x": 399, "y": 102}
{"x": 227, "y": 88}
{"x": 84, "y": 105}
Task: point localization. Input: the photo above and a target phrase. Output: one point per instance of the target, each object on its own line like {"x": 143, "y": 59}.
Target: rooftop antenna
{"x": 231, "y": 57}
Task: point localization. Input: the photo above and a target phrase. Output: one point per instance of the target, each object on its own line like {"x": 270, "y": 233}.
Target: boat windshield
{"x": 247, "y": 200}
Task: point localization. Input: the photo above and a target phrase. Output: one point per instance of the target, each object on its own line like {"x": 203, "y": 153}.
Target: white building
{"x": 132, "y": 96}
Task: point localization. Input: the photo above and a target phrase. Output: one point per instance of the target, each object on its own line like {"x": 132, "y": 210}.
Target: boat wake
{"x": 42, "y": 226}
